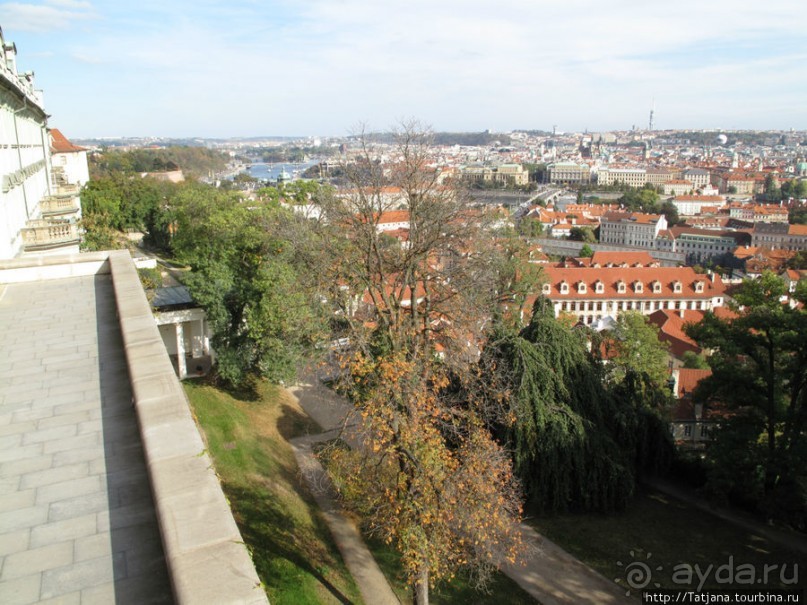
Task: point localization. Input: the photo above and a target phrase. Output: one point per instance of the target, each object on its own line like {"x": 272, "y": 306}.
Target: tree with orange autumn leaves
{"x": 428, "y": 478}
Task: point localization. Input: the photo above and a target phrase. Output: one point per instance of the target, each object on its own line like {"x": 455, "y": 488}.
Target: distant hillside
{"x": 193, "y": 161}
{"x": 470, "y": 139}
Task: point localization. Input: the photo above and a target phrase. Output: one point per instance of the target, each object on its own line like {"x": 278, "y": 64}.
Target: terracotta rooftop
{"x": 638, "y": 282}
{"x": 688, "y": 379}
{"x": 604, "y": 259}
{"x": 60, "y": 144}
{"x": 671, "y": 329}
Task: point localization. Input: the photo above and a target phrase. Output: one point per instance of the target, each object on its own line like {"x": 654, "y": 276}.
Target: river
{"x": 270, "y": 172}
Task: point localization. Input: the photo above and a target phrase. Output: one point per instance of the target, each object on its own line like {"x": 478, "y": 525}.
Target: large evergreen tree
{"x": 577, "y": 444}
{"x": 760, "y": 375}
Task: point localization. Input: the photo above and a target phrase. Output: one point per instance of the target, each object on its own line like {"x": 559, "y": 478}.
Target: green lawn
{"x": 664, "y": 532}
{"x": 247, "y": 436}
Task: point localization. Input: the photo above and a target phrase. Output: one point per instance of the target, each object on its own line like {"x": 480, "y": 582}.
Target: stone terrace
{"x": 77, "y": 518}
{"x": 107, "y": 494}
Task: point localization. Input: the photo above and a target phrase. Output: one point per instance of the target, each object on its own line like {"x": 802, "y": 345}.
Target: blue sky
{"x": 325, "y": 67}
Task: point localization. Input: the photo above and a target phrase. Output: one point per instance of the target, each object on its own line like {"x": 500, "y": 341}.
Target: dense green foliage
{"x": 243, "y": 274}
{"x": 694, "y": 361}
{"x": 637, "y": 349}
{"x": 788, "y": 189}
{"x": 121, "y": 202}
{"x": 577, "y": 443}
{"x": 294, "y": 154}
{"x": 582, "y": 234}
{"x": 760, "y": 378}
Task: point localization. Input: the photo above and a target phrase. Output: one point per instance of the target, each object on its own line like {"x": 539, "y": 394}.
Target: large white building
{"x": 592, "y": 294}
{"x": 635, "y": 229}
{"x": 39, "y": 212}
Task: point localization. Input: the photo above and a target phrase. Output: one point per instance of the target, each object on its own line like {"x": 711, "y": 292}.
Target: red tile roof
{"x": 671, "y": 329}
{"x": 688, "y": 379}
{"x": 610, "y": 277}
{"x": 603, "y": 258}
{"x": 393, "y": 216}
{"x": 60, "y": 144}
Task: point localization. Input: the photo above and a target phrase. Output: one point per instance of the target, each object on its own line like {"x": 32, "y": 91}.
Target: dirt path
{"x": 330, "y": 411}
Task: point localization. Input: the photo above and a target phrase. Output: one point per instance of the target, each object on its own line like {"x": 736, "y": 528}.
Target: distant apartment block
{"x": 504, "y": 174}
{"x": 690, "y": 205}
{"x": 632, "y": 177}
{"x": 631, "y": 229}
{"x": 759, "y": 213}
{"x": 780, "y": 235}
{"x": 678, "y": 187}
{"x": 697, "y": 176}
{"x": 700, "y": 244}
{"x": 737, "y": 183}
{"x": 568, "y": 173}
{"x": 658, "y": 177}
{"x": 770, "y": 213}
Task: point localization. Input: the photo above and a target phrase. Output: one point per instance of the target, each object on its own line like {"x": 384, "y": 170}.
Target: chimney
{"x": 11, "y": 56}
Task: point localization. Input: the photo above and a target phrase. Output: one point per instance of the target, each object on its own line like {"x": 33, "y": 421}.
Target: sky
{"x": 241, "y": 68}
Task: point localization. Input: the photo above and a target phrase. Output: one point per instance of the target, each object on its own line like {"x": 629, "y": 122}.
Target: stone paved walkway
{"x": 77, "y": 522}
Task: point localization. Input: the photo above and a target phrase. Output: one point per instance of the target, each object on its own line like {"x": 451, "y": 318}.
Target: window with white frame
{"x": 620, "y": 286}
{"x": 638, "y": 287}
{"x": 599, "y": 287}
{"x": 677, "y": 287}
{"x": 564, "y": 287}
{"x": 581, "y": 288}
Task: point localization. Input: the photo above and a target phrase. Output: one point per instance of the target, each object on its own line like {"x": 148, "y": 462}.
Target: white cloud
{"x": 322, "y": 65}
{"x": 42, "y": 18}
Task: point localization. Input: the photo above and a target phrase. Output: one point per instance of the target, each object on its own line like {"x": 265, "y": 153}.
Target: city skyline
{"x": 203, "y": 69}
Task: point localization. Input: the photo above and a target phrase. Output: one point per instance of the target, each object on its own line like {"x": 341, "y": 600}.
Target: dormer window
{"x": 546, "y": 289}
{"x": 656, "y": 287}
{"x": 581, "y": 288}
{"x": 638, "y": 287}
{"x": 599, "y": 287}
{"x": 564, "y": 287}
{"x": 699, "y": 286}
{"x": 620, "y": 286}
{"x": 677, "y": 287}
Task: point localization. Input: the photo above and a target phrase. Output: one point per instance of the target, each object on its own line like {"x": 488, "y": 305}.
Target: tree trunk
{"x": 421, "y": 588}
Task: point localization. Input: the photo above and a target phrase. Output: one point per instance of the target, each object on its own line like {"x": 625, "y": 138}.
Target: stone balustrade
{"x": 66, "y": 191}
{"x": 43, "y": 235}
{"x": 59, "y": 205}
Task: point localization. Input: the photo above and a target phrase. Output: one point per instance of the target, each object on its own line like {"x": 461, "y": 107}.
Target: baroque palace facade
{"x": 592, "y": 294}
{"x": 40, "y": 204}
